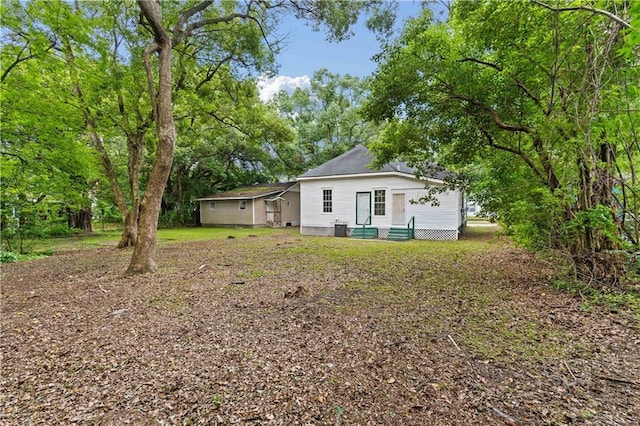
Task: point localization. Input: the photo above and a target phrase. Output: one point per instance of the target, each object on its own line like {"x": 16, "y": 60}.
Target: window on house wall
{"x": 288, "y": 204}
{"x": 327, "y": 201}
{"x": 379, "y": 202}
{"x": 242, "y": 204}
{"x": 212, "y": 205}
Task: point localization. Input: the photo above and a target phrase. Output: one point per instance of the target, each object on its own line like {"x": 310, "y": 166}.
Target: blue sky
{"x": 307, "y": 51}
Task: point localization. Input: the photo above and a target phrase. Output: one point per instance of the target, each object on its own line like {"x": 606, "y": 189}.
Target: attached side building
{"x": 275, "y": 205}
{"x": 346, "y": 191}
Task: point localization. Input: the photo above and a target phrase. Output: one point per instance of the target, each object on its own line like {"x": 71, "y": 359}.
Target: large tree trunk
{"x": 143, "y": 258}
{"x": 80, "y": 219}
{"x": 130, "y": 231}
{"x": 135, "y": 142}
{"x": 129, "y": 217}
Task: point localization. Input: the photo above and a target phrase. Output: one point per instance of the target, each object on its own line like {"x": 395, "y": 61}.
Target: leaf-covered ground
{"x": 284, "y": 329}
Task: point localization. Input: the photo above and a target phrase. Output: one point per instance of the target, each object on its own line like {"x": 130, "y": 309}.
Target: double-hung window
{"x": 327, "y": 201}
{"x": 379, "y": 202}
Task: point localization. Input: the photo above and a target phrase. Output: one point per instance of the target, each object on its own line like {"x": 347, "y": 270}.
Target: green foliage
{"x": 326, "y": 120}
{"x": 77, "y": 100}
{"x": 169, "y": 219}
{"x": 535, "y": 103}
{"x": 10, "y": 257}
{"x": 337, "y": 17}
{"x": 225, "y": 143}
{"x": 598, "y": 219}
{"x": 47, "y": 165}
{"x": 612, "y": 299}
{"x": 33, "y": 222}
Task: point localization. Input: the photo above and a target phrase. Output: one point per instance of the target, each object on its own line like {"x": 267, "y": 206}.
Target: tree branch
{"x": 22, "y": 160}
{"x": 481, "y": 62}
{"x": 213, "y": 71}
{"x": 18, "y": 59}
{"x": 494, "y": 115}
{"x": 146, "y": 57}
{"x": 517, "y": 152}
{"x": 180, "y": 34}
{"x": 186, "y": 15}
{"x": 224, "y": 121}
{"x": 587, "y": 8}
{"x": 151, "y": 11}
{"x": 498, "y": 68}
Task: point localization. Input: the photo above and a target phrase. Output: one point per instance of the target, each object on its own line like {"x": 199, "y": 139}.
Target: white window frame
{"x": 384, "y": 202}
{"x": 330, "y": 201}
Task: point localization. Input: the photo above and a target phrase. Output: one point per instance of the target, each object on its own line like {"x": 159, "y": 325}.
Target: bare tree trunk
{"x": 129, "y": 217}
{"x": 143, "y": 258}
{"x": 136, "y": 157}
{"x": 130, "y": 231}
{"x": 80, "y": 219}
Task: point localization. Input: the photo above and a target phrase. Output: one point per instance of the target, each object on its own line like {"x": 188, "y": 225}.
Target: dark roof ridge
{"x": 358, "y": 161}
{"x": 250, "y": 191}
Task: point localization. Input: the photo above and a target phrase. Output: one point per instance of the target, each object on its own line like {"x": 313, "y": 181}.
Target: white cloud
{"x": 268, "y": 87}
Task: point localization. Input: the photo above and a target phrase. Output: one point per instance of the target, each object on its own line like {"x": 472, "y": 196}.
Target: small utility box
{"x": 340, "y": 230}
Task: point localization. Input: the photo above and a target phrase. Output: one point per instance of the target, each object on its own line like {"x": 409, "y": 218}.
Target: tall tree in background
{"x": 545, "y": 97}
{"x": 193, "y": 21}
{"x": 48, "y": 173}
{"x": 95, "y": 81}
{"x": 326, "y": 118}
{"x": 124, "y": 87}
{"x": 225, "y": 142}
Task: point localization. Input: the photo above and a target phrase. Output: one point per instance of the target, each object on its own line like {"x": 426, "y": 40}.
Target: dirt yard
{"x": 283, "y": 329}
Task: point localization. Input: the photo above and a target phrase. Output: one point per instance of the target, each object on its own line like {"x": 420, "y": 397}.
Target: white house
{"x": 275, "y": 205}
{"x": 346, "y": 195}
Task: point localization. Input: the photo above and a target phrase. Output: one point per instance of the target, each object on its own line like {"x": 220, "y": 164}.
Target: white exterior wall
{"x": 444, "y": 216}
{"x": 313, "y": 221}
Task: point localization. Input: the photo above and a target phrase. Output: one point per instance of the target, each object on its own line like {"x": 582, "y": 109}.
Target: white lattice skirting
{"x": 426, "y": 234}
{"x": 436, "y": 234}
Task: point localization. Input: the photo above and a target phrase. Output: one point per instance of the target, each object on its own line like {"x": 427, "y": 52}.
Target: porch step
{"x": 369, "y": 232}
{"x": 400, "y": 234}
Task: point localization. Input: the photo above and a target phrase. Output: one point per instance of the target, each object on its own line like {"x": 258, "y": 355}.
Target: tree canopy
{"x": 326, "y": 119}
{"x": 540, "y": 103}
{"x": 137, "y": 80}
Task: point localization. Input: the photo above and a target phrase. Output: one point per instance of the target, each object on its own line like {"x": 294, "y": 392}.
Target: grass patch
{"x": 522, "y": 340}
{"x": 171, "y": 303}
{"x": 383, "y": 290}
{"x": 77, "y": 241}
{"x": 209, "y": 233}
{"x": 11, "y": 257}
{"x": 254, "y": 273}
{"x": 615, "y": 301}
{"x": 110, "y": 237}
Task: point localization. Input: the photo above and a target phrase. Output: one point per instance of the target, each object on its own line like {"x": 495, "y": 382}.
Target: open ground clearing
{"x": 281, "y": 329}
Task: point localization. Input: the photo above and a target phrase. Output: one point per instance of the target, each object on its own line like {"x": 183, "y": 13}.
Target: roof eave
{"x": 253, "y": 197}
{"x": 373, "y": 174}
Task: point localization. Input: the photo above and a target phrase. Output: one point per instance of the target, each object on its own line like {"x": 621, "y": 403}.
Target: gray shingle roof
{"x": 358, "y": 161}
{"x": 250, "y": 192}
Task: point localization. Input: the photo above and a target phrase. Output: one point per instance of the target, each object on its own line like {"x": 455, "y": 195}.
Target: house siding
{"x": 444, "y": 217}
{"x": 227, "y": 212}
{"x": 291, "y": 213}
{"x": 259, "y": 211}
